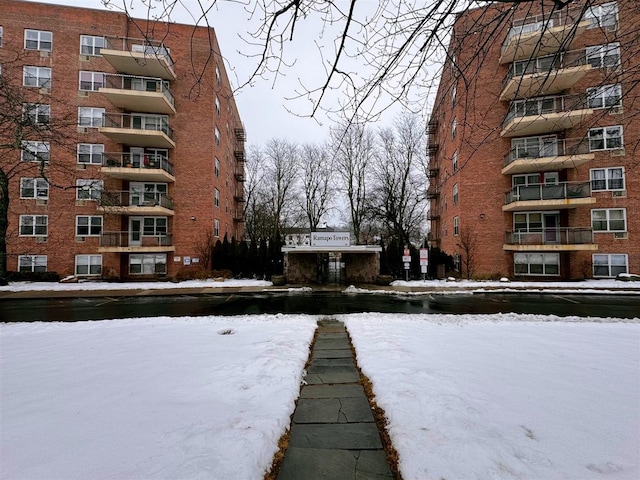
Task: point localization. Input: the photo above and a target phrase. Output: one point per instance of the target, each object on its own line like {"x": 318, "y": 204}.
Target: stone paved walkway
{"x": 333, "y": 434}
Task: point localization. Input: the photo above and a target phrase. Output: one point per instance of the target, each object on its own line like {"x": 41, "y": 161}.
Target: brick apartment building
{"x": 146, "y": 153}
{"x": 533, "y": 142}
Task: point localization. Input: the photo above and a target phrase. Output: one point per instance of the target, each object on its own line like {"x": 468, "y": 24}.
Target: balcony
{"x": 551, "y": 240}
{"x": 135, "y": 242}
{"x": 135, "y": 203}
{"x": 240, "y": 133}
{"x": 548, "y": 156}
{"x": 137, "y": 167}
{"x": 138, "y": 94}
{"x": 239, "y": 196}
{"x": 432, "y": 192}
{"x": 137, "y": 56}
{"x": 239, "y": 154}
{"x": 238, "y": 216}
{"x": 551, "y": 196}
{"x": 432, "y": 127}
{"x": 433, "y": 172}
{"x": 538, "y": 35}
{"x": 138, "y": 129}
{"x": 541, "y": 115}
{"x": 544, "y": 75}
{"x": 239, "y": 175}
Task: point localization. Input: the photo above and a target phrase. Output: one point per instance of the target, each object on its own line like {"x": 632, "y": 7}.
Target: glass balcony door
{"x": 135, "y": 231}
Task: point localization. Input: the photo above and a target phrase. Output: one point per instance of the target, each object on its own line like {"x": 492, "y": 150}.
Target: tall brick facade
{"x": 533, "y": 142}
{"x": 147, "y": 154}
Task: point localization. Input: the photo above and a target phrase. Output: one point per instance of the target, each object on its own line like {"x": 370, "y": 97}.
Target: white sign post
{"x": 406, "y": 258}
{"x": 424, "y": 261}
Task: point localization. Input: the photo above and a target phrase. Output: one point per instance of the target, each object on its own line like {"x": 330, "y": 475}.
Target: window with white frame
{"x": 89, "y": 189}
{"x": 32, "y": 263}
{"x": 609, "y": 264}
{"x": 216, "y": 228}
{"x": 457, "y": 262}
{"x": 216, "y": 167}
{"x": 607, "y": 178}
{"x": 216, "y": 197}
{"x": 217, "y": 105}
{"x": 148, "y": 264}
{"x": 36, "y": 113}
{"x": 91, "y": 45}
{"x": 218, "y": 77}
{"x": 456, "y": 226}
{"x": 36, "y": 76}
{"x": 606, "y": 96}
{"x": 154, "y": 226}
{"x": 606, "y": 138}
{"x": 90, "y": 117}
{"x": 536, "y": 264}
{"x": 526, "y": 222}
{"x": 91, "y": 81}
{"x": 36, "y": 188}
{"x": 455, "y": 194}
{"x": 34, "y": 225}
{"x": 87, "y": 265}
{"x": 604, "y": 15}
{"x": 609, "y": 220}
{"x": 454, "y": 128}
{"x": 90, "y": 153}
{"x": 1, "y": 35}
{"x": 534, "y": 147}
{"x": 38, "y": 40}
{"x": 453, "y": 96}
{"x": 216, "y": 133}
{"x": 88, "y": 225}
{"x": 607, "y": 55}
{"x": 35, "y": 151}
{"x": 454, "y": 161}
{"x": 147, "y": 193}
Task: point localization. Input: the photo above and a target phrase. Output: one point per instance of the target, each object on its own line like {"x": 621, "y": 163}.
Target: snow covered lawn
{"x": 505, "y": 396}
{"x": 173, "y": 398}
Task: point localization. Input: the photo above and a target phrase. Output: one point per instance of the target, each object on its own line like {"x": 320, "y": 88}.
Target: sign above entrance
{"x": 330, "y": 239}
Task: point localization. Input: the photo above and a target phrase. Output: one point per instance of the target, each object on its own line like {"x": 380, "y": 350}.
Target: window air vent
{"x": 619, "y": 193}
{"x": 621, "y": 235}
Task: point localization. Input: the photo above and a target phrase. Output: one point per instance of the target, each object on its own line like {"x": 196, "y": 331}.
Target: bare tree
{"x": 468, "y": 245}
{"x": 258, "y": 223}
{"x": 281, "y": 175}
{"x": 317, "y": 175}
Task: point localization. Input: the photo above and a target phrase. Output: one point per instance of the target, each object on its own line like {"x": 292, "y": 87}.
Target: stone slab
{"x": 327, "y": 362}
{"x": 342, "y": 353}
{"x": 331, "y": 374}
{"x": 332, "y": 335}
{"x": 332, "y": 391}
{"x": 324, "y": 343}
{"x": 323, "y": 464}
{"x": 333, "y": 410}
{"x": 351, "y": 436}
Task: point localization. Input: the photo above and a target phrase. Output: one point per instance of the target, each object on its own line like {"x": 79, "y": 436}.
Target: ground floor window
{"x": 536, "y": 263}
{"x": 148, "y": 264}
{"x": 609, "y": 264}
{"x": 32, "y": 263}
{"x": 88, "y": 265}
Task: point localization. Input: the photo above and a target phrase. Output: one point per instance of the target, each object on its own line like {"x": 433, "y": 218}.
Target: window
{"x": 607, "y": 55}
{"x": 453, "y": 96}
{"x": 454, "y": 128}
{"x": 1, "y": 35}
{"x": 609, "y": 265}
{"x": 609, "y": 220}
{"x": 534, "y": 147}
{"x": 38, "y": 40}
{"x": 454, "y": 161}
{"x": 455, "y": 194}
{"x": 604, "y": 15}
{"x": 456, "y": 226}
{"x": 536, "y": 263}
{"x": 606, "y": 138}
{"x": 32, "y": 263}
{"x": 90, "y": 153}
{"x": 33, "y": 225}
{"x": 35, "y": 151}
{"x": 527, "y": 222}
{"x": 217, "y": 105}
{"x": 36, "y": 77}
{"x": 148, "y": 264}
{"x": 605, "y": 96}
{"x": 217, "y": 168}
{"x": 216, "y": 197}
{"x": 216, "y": 228}
{"x": 535, "y": 106}
{"x": 36, "y": 113}
{"x": 457, "y": 261}
{"x": 218, "y": 78}
{"x": 90, "y": 45}
{"x": 607, "y": 178}
{"x": 154, "y": 226}
{"x": 37, "y": 188}
{"x": 88, "y": 225}
{"x": 91, "y": 81}
{"x": 216, "y": 132}
{"x": 147, "y": 193}
{"x": 89, "y": 189}
{"x": 90, "y": 116}
{"x": 88, "y": 265}
{"x": 530, "y": 179}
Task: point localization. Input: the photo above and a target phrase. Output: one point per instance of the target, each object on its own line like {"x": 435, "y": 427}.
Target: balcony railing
{"x": 551, "y": 236}
{"x": 135, "y": 239}
{"x": 132, "y": 121}
{"x": 548, "y": 148}
{"x": 139, "y": 56}
{"x": 134, "y": 198}
{"x": 551, "y": 191}
{"x": 139, "y": 84}
{"x": 146, "y": 161}
{"x": 538, "y": 23}
{"x": 547, "y": 64}
{"x": 545, "y": 105}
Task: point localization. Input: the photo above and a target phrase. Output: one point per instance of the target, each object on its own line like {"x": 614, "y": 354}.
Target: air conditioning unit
{"x": 621, "y": 235}
{"x": 41, "y": 239}
{"x": 44, "y": 54}
{"x": 80, "y": 239}
{"x": 612, "y": 28}
{"x": 619, "y": 193}
{"x": 41, "y": 202}
{"x": 616, "y": 111}
{"x": 83, "y": 129}
{"x": 81, "y": 203}
{"x": 84, "y": 58}
{"x": 83, "y": 93}
{"x": 44, "y": 91}
{"x": 618, "y": 152}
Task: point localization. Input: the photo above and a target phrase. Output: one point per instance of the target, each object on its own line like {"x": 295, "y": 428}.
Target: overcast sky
{"x": 266, "y": 106}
